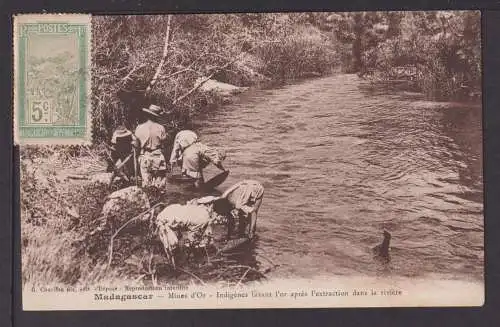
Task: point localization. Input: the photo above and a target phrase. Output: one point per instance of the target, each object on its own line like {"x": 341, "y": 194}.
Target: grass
{"x": 55, "y": 215}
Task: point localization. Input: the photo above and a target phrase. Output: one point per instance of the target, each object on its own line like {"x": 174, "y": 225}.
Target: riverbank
{"x": 63, "y": 190}
{"x": 62, "y": 200}
{"x": 460, "y": 94}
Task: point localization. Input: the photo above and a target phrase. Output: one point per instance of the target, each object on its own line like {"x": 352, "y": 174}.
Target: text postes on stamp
{"x": 52, "y": 78}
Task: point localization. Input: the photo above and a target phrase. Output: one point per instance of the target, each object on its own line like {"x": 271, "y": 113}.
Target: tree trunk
{"x": 356, "y": 45}
{"x": 394, "y": 22}
{"x": 163, "y": 58}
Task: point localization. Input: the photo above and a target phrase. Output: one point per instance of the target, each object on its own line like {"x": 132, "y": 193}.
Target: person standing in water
{"x": 245, "y": 198}
{"x": 152, "y": 137}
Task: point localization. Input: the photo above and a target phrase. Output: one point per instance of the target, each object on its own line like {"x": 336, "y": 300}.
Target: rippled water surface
{"x": 341, "y": 160}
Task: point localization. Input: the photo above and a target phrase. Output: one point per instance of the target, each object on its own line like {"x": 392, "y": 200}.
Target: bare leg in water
{"x": 199, "y": 182}
{"x": 243, "y": 222}
{"x": 253, "y": 218}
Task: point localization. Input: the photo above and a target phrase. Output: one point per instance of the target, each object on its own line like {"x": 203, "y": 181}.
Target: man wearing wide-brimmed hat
{"x": 152, "y": 137}
{"x": 123, "y": 143}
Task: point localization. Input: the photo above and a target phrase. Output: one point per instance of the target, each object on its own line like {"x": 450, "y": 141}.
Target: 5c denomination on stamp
{"x": 52, "y": 78}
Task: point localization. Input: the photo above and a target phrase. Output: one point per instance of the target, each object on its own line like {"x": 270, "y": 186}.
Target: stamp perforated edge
{"x": 40, "y": 17}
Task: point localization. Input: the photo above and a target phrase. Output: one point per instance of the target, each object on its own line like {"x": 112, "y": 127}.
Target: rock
{"x": 73, "y": 212}
{"x": 123, "y": 205}
{"x": 221, "y": 88}
{"x": 101, "y": 177}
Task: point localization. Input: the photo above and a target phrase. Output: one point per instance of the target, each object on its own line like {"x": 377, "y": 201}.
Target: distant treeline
{"x": 144, "y": 59}
{"x": 439, "y": 51}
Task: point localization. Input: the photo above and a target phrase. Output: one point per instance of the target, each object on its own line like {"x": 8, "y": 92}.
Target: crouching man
{"x": 192, "y": 220}
{"x": 241, "y": 201}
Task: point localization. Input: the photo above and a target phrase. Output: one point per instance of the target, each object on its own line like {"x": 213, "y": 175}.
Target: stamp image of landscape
{"x": 51, "y": 80}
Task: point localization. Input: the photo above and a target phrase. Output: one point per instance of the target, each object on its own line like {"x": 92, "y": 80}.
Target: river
{"x": 341, "y": 160}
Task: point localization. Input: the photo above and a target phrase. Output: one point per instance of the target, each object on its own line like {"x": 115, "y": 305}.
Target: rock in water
{"x": 381, "y": 251}
{"x": 123, "y": 205}
{"x": 221, "y": 88}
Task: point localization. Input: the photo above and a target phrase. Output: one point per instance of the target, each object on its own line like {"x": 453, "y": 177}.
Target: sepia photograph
{"x": 250, "y": 160}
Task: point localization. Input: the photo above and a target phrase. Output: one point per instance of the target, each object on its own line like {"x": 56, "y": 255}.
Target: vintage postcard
{"x": 51, "y": 78}
{"x": 277, "y": 160}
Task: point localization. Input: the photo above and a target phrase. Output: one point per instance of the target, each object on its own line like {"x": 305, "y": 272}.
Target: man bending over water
{"x": 188, "y": 225}
{"x": 195, "y": 156}
{"x": 197, "y": 216}
{"x": 244, "y": 200}
{"x": 182, "y": 140}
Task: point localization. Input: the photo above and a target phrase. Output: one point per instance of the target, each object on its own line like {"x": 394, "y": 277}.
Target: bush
{"x": 304, "y": 52}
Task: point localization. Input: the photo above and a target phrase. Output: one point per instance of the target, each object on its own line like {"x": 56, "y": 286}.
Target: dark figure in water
{"x": 381, "y": 251}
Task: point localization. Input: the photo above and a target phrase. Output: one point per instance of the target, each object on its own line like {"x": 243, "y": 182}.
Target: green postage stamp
{"x": 52, "y": 78}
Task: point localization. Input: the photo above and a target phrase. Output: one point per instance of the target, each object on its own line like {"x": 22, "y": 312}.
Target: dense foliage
{"x": 439, "y": 51}
{"x": 240, "y": 49}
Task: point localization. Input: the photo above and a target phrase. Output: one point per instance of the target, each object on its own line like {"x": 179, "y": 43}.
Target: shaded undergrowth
{"x": 59, "y": 216}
